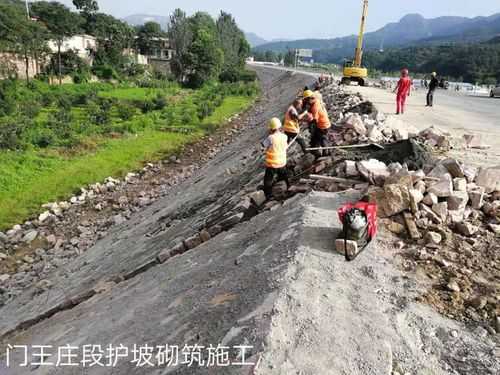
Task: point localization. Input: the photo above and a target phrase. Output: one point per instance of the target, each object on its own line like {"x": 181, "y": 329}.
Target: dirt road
{"x": 458, "y": 114}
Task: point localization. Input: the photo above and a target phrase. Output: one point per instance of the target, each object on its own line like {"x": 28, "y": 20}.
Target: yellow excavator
{"x": 353, "y": 70}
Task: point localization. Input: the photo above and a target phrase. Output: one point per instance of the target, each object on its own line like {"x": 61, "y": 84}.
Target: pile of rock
{"x": 356, "y": 121}
{"x": 448, "y": 193}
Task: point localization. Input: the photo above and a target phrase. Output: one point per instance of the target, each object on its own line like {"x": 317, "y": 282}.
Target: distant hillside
{"x": 471, "y": 62}
{"x": 255, "y": 40}
{"x": 141, "y": 19}
{"x": 411, "y": 29}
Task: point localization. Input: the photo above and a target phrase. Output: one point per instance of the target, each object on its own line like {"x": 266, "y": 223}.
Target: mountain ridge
{"x": 410, "y": 29}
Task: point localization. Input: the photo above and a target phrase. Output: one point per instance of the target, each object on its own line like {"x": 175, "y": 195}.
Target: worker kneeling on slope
{"x": 275, "y": 147}
{"x": 319, "y": 122}
{"x": 293, "y": 117}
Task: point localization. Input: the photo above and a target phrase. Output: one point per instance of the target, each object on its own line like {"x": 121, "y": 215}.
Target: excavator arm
{"x": 354, "y": 71}
{"x": 359, "y": 48}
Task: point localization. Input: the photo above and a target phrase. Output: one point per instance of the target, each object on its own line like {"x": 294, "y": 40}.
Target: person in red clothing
{"x": 403, "y": 91}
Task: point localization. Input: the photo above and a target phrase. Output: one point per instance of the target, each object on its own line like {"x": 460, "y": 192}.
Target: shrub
{"x": 8, "y": 89}
{"x": 146, "y": 105}
{"x": 230, "y": 75}
{"x": 43, "y": 137}
{"x": 134, "y": 69}
{"x": 238, "y": 75}
{"x": 159, "y": 102}
{"x": 248, "y": 76}
{"x": 81, "y": 77}
{"x": 125, "y": 111}
{"x": 105, "y": 72}
{"x": 99, "y": 113}
{"x": 64, "y": 102}
{"x": 11, "y": 132}
{"x": 30, "y": 109}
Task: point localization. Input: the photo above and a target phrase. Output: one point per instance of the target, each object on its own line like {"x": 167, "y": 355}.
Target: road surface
{"x": 453, "y": 112}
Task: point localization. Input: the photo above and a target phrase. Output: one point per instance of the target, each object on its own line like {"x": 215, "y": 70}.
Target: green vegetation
{"x": 56, "y": 138}
{"x": 475, "y": 63}
{"x": 32, "y": 174}
{"x": 206, "y": 49}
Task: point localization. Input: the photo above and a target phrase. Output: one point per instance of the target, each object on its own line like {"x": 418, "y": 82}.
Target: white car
{"x": 495, "y": 92}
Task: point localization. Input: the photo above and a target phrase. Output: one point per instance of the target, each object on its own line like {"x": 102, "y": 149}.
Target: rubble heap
{"x": 356, "y": 121}
{"x": 446, "y": 214}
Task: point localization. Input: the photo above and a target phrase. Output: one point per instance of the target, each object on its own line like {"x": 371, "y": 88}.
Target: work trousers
{"x": 319, "y": 138}
{"x": 430, "y": 98}
{"x": 299, "y": 140}
{"x": 401, "y": 103}
{"x": 271, "y": 173}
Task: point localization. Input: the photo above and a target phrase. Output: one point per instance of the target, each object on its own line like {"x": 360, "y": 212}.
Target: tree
{"x": 180, "y": 37}
{"x": 233, "y": 43}
{"x": 147, "y": 37}
{"x": 204, "y": 57}
{"x": 113, "y": 36}
{"x": 290, "y": 58}
{"x": 86, "y": 6}
{"x": 22, "y": 36}
{"x": 33, "y": 38}
{"x": 60, "y": 21}
{"x": 88, "y": 10}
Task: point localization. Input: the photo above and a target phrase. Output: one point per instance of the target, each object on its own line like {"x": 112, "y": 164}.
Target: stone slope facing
{"x": 221, "y": 293}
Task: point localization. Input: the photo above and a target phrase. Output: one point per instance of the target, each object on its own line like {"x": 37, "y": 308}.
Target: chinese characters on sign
{"x": 137, "y": 355}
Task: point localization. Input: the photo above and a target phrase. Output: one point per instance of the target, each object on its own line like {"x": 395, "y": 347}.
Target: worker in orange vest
{"x": 293, "y": 116}
{"x": 275, "y": 147}
{"x": 319, "y": 122}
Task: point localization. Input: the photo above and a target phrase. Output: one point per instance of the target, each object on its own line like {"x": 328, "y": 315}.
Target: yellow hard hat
{"x": 274, "y": 124}
{"x": 434, "y": 74}
{"x": 308, "y": 94}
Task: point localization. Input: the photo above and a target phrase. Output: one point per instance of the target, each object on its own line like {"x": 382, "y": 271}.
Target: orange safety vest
{"x": 291, "y": 125}
{"x": 276, "y": 153}
{"x": 320, "y": 115}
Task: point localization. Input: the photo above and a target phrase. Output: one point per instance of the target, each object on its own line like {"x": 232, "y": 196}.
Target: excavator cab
{"x": 353, "y": 73}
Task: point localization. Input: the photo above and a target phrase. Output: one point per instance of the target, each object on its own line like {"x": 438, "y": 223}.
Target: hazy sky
{"x": 305, "y": 18}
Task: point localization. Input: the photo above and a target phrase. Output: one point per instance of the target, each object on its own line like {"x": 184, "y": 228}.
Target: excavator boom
{"x": 354, "y": 71}
{"x": 359, "y": 47}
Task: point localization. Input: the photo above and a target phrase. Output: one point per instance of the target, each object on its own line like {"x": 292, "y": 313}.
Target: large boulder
{"x": 373, "y": 170}
{"x": 458, "y": 200}
{"x": 442, "y": 188}
{"x": 355, "y": 122}
{"x": 397, "y": 199}
{"x": 489, "y": 179}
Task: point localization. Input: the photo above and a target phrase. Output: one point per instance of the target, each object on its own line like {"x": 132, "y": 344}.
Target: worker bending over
{"x": 293, "y": 117}
{"x": 275, "y": 147}
{"x": 319, "y": 122}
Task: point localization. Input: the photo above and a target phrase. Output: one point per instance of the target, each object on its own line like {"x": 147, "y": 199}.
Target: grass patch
{"x": 136, "y": 93}
{"x": 230, "y": 106}
{"x": 33, "y": 177}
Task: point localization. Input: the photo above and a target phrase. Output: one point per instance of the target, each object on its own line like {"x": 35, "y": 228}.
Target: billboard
{"x": 305, "y": 52}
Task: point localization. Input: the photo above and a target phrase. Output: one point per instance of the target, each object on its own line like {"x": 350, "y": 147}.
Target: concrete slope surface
{"x": 268, "y": 289}
{"x": 334, "y": 317}
{"x": 221, "y": 293}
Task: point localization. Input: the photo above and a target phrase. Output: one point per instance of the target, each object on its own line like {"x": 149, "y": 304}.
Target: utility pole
{"x": 27, "y": 9}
